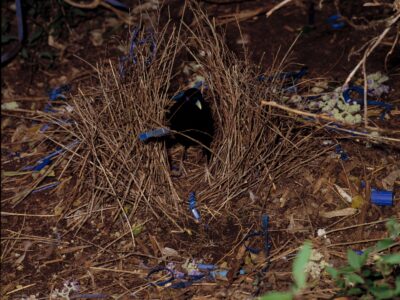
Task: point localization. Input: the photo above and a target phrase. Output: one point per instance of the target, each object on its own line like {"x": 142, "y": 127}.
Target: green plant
{"x": 370, "y": 275}
{"x": 299, "y": 275}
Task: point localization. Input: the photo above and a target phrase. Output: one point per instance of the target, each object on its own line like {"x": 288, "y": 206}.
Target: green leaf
{"x": 383, "y": 244}
{"x": 277, "y": 296}
{"x": 334, "y": 273}
{"x": 391, "y": 259}
{"x": 354, "y": 278}
{"x": 355, "y": 261}
{"x": 397, "y": 289}
{"x": 394, "y": 228}
{"x": 354, "y": 292}
{"x": 299, "y": 266}
{"x": 137, "y": 229}
{"x": 382, "y": 292}
{"x": 366, "y": 273}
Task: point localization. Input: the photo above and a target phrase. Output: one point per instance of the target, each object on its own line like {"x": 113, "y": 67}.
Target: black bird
{"x": 191, "y": 120}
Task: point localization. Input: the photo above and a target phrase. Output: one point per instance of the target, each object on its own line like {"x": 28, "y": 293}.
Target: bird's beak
{"x": 198, "y": 104}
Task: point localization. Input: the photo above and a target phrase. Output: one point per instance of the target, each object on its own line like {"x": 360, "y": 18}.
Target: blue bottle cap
{"x": 382, "y": 198}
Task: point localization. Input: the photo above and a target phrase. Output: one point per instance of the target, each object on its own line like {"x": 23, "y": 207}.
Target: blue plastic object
{"x": 387, "y": 107}
{"x": 381, "y": 197}
{"x": 336, "y": 22}
{"x": 178, "y": 285}
{"x": 46, "y": 187}
{"x": 40, "y": 164}
{"x": 263, "y": 233}
{"x": 192, "y": 206}
{"x": 159, "y": 132}
{"x": 343, "y": 154}
{"x": 206, "y": 267}
{"x": 57, "y": 92}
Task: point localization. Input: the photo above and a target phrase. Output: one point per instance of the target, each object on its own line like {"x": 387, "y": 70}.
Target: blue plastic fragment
{"x": 192, "y": 206}
{"x": 336, "y": 22}
{"x": 40, "y": 164}
{"x": 343, "y": 154}
{"x": 159, "y": 269}
{"x": 382, "y": 197}
{"x": 45, "y": 162}
{"x": 46, "y": 187}
{"x": 206, "y": 267}
{"x": 224, "y": 273}
{"x": 57, "y": 92}
{"x": 387, "y": 107}
{"x": 263, "y": 233}
{"x": 148, "y": 39}
{"x": 178, "y": 285}
{"x": 155, "y": 133}
{"x": 359, "y": 252}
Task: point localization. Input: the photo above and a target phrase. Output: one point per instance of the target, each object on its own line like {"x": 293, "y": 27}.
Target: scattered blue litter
{"x": 387, "y": 107}
{"x": 181, "y": 284}
{"x": 155, "y": 133}
{"x": 207, "y": 267}
{"x": 192, "y": 206}
{"x": 57, "y": 92}
{"x": 359, "y": 252}
{"x": 336, "y": 22}
{"x": 47, "y": 160}
{"x": 187, "y": 280}
{"x": 343, "y": 154}
{"x": 291, "y": 77}
{"x": 148, "y": 39}
{"x": 224, "y": 273}
{"x": 264, "y": 233}
{"x": 46, "y": 187}
{"x": 382, "y": 197}
{"x": 39, "y": 166}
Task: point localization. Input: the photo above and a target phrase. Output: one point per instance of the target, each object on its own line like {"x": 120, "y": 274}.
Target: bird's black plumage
{"x": 191, "y": 120}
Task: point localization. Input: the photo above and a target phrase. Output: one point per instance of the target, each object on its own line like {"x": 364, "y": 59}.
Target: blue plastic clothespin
{"x": 192, "y": 206}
